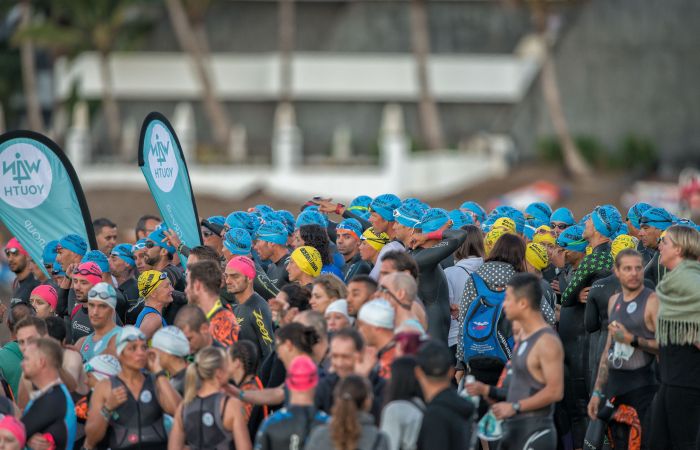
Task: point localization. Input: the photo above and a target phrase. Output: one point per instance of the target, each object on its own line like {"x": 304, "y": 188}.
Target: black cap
{"x": 434, "y": 358}
{"x": 213, "y": 227}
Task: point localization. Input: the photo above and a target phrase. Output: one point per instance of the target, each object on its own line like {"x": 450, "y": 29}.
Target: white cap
{"x": 378, "y": 313}
{"x": 339, "y": 306}
{"x": 103, "y": 366}
{"x": 171, "y": 340}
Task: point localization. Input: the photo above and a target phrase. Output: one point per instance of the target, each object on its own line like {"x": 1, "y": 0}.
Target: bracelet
{"x": 597, "y": 393}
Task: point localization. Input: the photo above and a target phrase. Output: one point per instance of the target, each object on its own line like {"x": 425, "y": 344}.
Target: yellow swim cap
{"x": 544, "y": 235}
{"x": 374, "y": 240}
{"x": 622, "y": 242}
{"x": 536, "y": 255}
{"x": 491, "y": 238}
{"x": 308, "y": 259}
{"x": 505, "y": 223}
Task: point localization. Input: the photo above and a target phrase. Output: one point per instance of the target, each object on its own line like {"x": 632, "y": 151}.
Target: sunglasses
{"x": 85, "y": 272}
{"x": 540, "y": 231}
{"x": 560, "y": 226}
{"x": 11, "y": 251}
{"x": 133, "y": 337}
{"x": 384, "y": 290}
{"x": 207, "y": 233}
{"x": 149, "y": 244}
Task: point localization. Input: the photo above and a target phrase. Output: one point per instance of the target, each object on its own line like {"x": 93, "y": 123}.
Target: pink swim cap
{"x": 89, "y": 271}
{"x": 243, "y": 265}
{"x": 15, "y": 427}
{"x": 14, "y": 243}
{"x": 47, "y": 293}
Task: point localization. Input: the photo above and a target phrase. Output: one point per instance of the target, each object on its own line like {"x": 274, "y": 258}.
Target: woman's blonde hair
{"x": 687, "y": 238}
{"x": 207, "y": 361}
{"x": 350, "y": 394}
{"x": 334, "y": 286}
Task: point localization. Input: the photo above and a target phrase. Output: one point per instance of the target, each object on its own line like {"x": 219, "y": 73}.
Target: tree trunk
{"x": 287, "y": 24}
{"x": 189, "y": 42}
{"x": 28, "y": 60}
{"x": 574, "y": 163}
{"x": 109, "y": 104}
{"x": 427, "y": 108}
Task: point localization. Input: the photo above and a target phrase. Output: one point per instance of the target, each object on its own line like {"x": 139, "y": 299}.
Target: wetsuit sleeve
{"x": 430, "y": 257}
{"x": 62, "y": 304}
{"x": 263, "y": 330}
{"x": 262, "y": 439}
{"x": 591, "y": 319}
{"x": 580, "y": 280}
{"x": 263, "y": 286}
{"x": 42, "y": 415}
{"x": 351, "y": 215}
{"x": 184, "y": 250}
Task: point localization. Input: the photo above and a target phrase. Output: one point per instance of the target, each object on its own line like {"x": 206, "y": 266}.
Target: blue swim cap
{"x": 350, "y": 225}
{"x": 563, "y": 215}
{"x": 124, "y": 252}
{"x": 311, "y": 217}
{"x": 49, "y": 254}
{"x": 215, "y": 224}
{"x": 273, "y": 231}
{"x": 519, "y": 219}
{"x": 459, "y": 219}
{"x": 74, "y": 243}
{"x": 139, "y": 245}
{"x": 657, "y": 218}
{"x": 158, "y": 238}
{"x": 58, "y": 270}
{"x": 237, "y": 219}
{"x": 238, "y": 241}
{"x": 98, "y": 258}
{"x": 475, "y": 209}
{"x": 288, "y": 220}
{"x": 539, "y": 211}
{"x": 360, "y": 204}
{"x": 408, "y": 215}
{"x": 606, "y": 220}
{"x": 433, "y": 219}
{"x": 572, "y": 239}
{"x": 384, "y": 205}
{"x": 263, "y": 209}
{"x": 636, "y": 212}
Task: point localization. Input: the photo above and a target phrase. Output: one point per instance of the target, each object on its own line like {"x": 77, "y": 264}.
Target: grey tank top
{"x": 203, "y": 423}
{"x": 523, "y": 384}
{"x": 631, "y": 315}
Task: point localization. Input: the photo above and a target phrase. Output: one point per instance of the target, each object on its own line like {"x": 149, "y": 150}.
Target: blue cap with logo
{"x": 606, "y": 220}
{"x": 263, "y": 209}
{"x": 572, "y": 239}
{"x": 384, "y": 205}
{"x": 360, "y": 206}
{"x": 273, "y": 231}
{"x": 98, "y": 258}
{"x": 215, "y": 224}
{"x": 158, "y": 237}
{"x": 459, "y": 219}
{"x": 238, "y": 241}
{"x": 124, "y": 252}
{"x": 237, "y": 219}
{"x": 433, "y": 220}
{"x": 311, "y": 217}
{"x": 519, "y": 218}
{"x": 657, "y": 218}
{"x": 636, "y": 212}
{"x": 351, "y": 225}
{"x": 49, "y": 254}
{"x": 540, "y": 211}
{"x": 74, "y": 243}
{"x": 474, "y": 208}
{"x": 563, "y": 215}
{"x": 408, "y": 215}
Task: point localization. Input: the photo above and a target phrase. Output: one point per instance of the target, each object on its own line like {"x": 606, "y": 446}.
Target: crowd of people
{"x": 384, "y": 324}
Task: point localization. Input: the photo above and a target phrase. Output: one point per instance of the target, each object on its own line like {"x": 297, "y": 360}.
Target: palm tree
{"x": 75, "y": 26}
{"x": 194, "y": 46}
{"x": 28, "y": 61}
{"x": 427, "y": 108}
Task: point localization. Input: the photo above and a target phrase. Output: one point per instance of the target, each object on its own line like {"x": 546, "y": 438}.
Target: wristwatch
{"x": 516, "y": 407}
{"x": 162, "y": 373}
{"x": 635, "y": 342}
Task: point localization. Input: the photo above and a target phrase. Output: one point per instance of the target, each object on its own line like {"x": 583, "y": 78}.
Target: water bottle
{"x": 474, "y": 399}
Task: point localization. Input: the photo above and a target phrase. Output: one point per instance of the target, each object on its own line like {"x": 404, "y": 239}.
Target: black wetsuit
{"x": 654, "y": 272}
{"x": 277, "y": 271}
{"x": 433, "y": 289}
{"x": 130, "y": 290}
{"x": 202, "y": 420}
{"x": 289, "y": 427}
{"x": 21, "y": 290}
{"x": 356, "y": 266}
{"x": 263, "y": 285}
{"x": 53, "y": 412}
{"x": 255, "y": 322}
{"x": 533, "y": 430}
{"x": 137, "y": 423}
{"x": 596, "y": 322}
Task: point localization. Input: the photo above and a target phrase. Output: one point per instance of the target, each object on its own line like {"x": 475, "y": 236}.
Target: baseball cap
{"x": 124, "y": 252}
{"x": 434, "y": 358}
{"x": 657, "y": 218}
{"x": 378, "y": 313}
{"x": 475, "y": 209}
{"x": 459, "y": 219}
{"x": 238, "y": 241}
{"x": 273, "y": 231}
{"x": 349, "y": 226}
{"x": 636, "y": 212}
{"x": 47, "y": 293}
{"x": 563, "y": 215}
{"x": 606, "y": 220}
{"x": 302, "y": 374}
{"x": 572, "y": 239}
{"x": 384, "y": 205}
{"x": 243, "y": 265}
{"x": 536, "y": 255}
{"x": 103, "y": 366}
{"x": 103, "y": 292}
{"x": 171, "y": 340}
{"x": 73, "y": 243}
{"x": 48, "y": 255}
{"x": 433, "y": 220}
{"x": 149, "y": 280}
{"x": 374, "y": 240}
{"x": 98, "y": 258}
{"x": 89, "y": 271}
{"x": 158, "y": 237}
{"x": 308, "y": 259}
{"x": 129, "y": 333}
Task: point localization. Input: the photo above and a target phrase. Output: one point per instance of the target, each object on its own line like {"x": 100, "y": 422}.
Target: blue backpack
{"x": 480, "y": 336}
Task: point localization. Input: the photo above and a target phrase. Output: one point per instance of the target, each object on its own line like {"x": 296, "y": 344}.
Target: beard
{"x": 152, "y": 260}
